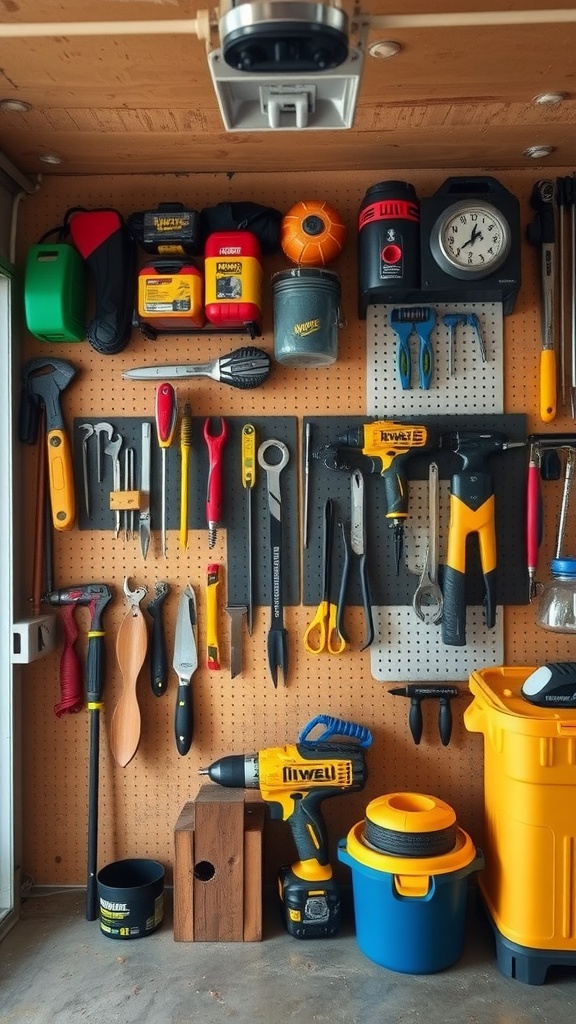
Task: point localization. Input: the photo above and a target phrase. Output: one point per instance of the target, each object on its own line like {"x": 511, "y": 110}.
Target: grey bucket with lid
{"x": 307, "y": 317}
{"x": 131, "y": 898}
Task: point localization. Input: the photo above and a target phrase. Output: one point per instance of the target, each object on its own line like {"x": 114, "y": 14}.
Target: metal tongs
{"x": 428, "y": 602}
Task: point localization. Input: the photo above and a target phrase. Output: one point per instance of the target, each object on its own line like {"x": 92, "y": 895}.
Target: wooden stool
{"x": 218, "y": 868}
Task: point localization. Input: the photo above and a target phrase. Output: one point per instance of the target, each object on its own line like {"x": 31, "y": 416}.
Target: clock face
{"x": 470, "y": 240}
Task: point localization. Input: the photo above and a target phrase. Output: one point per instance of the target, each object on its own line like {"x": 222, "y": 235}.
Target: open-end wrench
{"x": 88, "y": 432}
{"x": 428, "y": 600}
{"x": 108, "y": 430}
{"x": 277, "y": 635}
{"x": 112, "y": 448}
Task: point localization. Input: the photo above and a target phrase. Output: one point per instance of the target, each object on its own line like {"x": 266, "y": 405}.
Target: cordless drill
{"x": 391, "y": 444}
{"x": 294, "y": 780}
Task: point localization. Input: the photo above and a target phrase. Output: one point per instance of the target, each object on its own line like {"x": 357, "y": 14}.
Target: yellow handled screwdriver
{"x": 248, "y": 481}
{"x": 185, "y": 446}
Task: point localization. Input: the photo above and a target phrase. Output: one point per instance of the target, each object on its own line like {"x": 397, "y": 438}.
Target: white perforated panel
{"x": 406, "y": 648}
{"x": 476, "y": 386}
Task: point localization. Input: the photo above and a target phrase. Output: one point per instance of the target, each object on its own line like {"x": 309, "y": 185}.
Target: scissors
{"x": 323, "y": 634}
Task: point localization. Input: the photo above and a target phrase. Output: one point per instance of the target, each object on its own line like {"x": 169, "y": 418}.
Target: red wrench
{"x": 214, "y": 495}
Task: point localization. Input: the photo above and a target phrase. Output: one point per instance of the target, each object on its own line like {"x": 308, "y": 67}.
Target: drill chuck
{"x": 237, "y": 771}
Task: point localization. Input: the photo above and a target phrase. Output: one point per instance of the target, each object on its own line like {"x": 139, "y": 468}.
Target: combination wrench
{"x": 277, "y": 634}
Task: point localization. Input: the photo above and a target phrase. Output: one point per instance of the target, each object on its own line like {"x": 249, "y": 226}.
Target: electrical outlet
{"x": 33, "y": 638}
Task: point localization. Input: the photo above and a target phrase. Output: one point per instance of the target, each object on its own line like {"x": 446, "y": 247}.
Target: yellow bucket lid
{"x": 391, "y": 822}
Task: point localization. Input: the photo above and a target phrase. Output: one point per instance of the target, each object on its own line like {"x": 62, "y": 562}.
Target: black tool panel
{"x": 234, "y": 519}
{"x": 509, "y": 472}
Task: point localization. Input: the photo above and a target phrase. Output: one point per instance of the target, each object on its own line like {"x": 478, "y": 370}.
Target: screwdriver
{"x": 248, "y": 480}
{"x": 166, "y": 410}
{"x": 185, "y": 445}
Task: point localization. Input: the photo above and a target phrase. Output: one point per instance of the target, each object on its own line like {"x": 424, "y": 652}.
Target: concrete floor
{"x": 58, "y": 968}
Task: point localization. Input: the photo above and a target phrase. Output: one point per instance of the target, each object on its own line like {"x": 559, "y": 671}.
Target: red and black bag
{"x": 103, "y": 240}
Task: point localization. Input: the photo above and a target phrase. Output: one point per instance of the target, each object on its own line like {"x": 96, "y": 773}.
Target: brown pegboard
{"x": 140, "y": 804}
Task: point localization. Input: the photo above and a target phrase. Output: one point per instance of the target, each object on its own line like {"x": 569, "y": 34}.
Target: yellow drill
{"x": 392, "y": 444}
{"x": 294, "y": 780}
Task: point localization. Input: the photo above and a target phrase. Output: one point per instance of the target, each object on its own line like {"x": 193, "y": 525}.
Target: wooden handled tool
{"x": 131, "y": 647}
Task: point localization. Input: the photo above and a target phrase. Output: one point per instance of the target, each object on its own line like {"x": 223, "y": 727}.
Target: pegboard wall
{"x": 139, "y": 804}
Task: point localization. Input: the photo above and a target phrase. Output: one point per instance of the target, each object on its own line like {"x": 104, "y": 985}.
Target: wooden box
{"x": 218, "y": 868}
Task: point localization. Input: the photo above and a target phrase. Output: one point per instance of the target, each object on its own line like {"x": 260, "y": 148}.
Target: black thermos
{"x": 388, "y": 245}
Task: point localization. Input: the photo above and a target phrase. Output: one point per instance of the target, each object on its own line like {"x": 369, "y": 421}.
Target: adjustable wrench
{"x": 428, "y": 600}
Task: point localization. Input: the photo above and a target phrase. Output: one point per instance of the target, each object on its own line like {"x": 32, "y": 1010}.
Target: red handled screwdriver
{"x": 214, "y": 495}
{"x": 166, "y": 413}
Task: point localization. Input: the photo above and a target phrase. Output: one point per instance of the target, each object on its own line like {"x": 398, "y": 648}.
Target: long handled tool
{"x": 166, "y": 412}
{"x": 95, "y": 596}
{"x": 131, "y": 647}
{"x": 277, "y": 635}
{"x": 542, "y": 233}
{"x": 185, "y": 446}
{"x": 244, "y": 368}
{"x": 248, "y": 481}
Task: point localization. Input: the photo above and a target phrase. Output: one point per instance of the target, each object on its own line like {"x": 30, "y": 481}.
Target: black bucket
{"x": 307, "y": 317}
{"x": 131, "y": 898}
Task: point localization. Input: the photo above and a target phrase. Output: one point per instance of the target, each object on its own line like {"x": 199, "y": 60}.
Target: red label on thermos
{"x": 389, "y": 209}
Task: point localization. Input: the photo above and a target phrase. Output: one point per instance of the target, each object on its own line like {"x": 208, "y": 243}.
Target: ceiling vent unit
{"x": 285, "y": 64}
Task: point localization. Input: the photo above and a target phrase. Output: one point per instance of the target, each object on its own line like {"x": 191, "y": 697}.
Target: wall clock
{"x": 470, "y": 242}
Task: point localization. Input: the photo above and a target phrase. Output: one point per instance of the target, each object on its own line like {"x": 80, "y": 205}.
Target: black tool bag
{"x": 262, "y": 221}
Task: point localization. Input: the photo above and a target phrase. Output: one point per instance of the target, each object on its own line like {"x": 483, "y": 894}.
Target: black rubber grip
{"x": 158, "y": 656}
{"x": 306, "y": 822}
{"x": 490, "y": 598}
{"x": 184, "y": 719}
{"x": 95, "y": 668}
{"x": 454, "y": 610}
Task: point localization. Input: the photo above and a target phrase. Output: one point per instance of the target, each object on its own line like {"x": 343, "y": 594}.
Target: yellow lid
{"x": 497, "y": 690}
{"x": 460, "y": 856}
{"x": 410, "y": 812}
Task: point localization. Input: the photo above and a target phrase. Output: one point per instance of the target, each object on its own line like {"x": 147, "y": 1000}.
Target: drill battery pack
{"x": 170, "y": 230}
{"x": 311, "y": 908}
{"x": 55, "y": 293}
{"x": 170, "y": 296}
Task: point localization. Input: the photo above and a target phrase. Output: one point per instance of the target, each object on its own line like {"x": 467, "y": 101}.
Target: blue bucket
{"x": 408, "y": 917}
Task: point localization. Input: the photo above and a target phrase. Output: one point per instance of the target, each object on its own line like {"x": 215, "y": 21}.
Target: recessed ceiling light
{"x": 16, "y": 106}
{"x": 384, "y": 48}
{"x": 535, "y": 152}
{"x": 548, "y": 98}
{"x": 50, "y": 158}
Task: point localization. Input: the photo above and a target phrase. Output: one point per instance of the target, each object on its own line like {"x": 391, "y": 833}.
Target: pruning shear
{"x": 323, "y": 634}
{"x": 355, "y": 545}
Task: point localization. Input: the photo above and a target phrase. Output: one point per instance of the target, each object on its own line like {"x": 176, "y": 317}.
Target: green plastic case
{"x": 55, "y": 293}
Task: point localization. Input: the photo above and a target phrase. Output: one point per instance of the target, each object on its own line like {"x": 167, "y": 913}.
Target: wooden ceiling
{"x": 453, "y": 96}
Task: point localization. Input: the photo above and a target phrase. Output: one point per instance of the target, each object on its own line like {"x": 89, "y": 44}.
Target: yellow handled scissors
{"x": 323, "y": 634}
